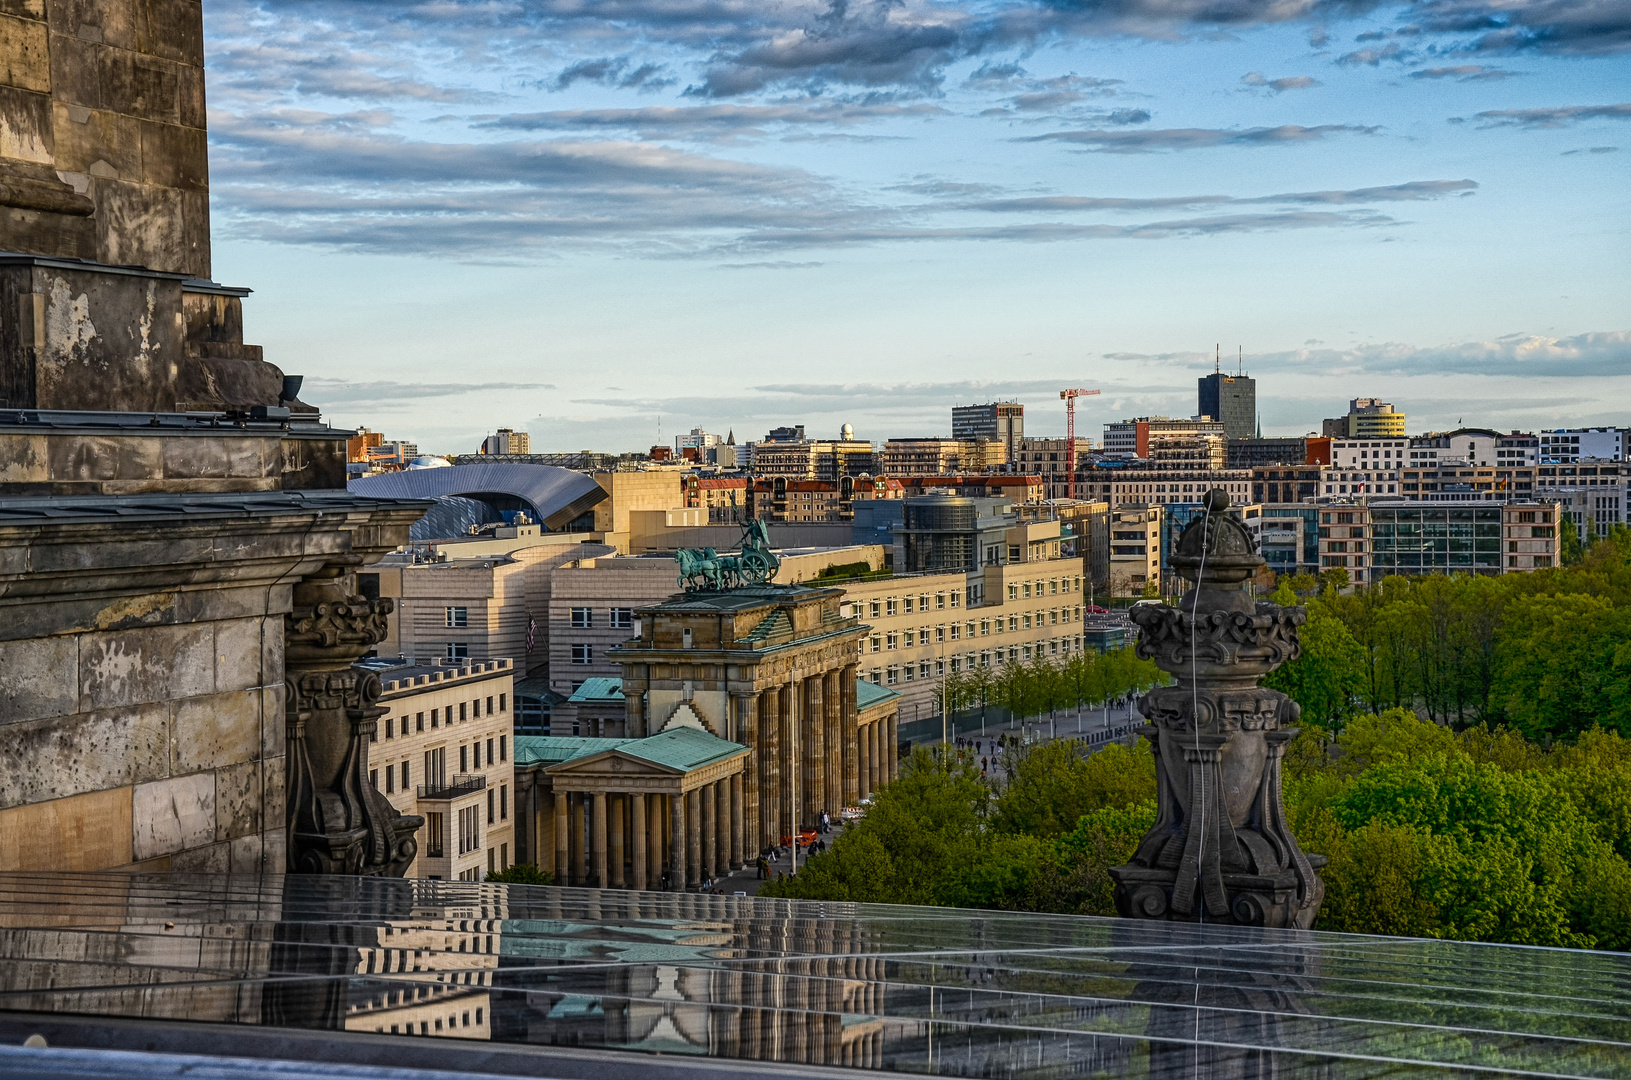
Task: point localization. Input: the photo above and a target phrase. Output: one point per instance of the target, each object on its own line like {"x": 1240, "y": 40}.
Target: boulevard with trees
{"x": 1465, "y": 764}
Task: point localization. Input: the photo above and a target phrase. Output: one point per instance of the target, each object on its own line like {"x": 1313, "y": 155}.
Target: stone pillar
{"x": 863, "y": 753}
{"x": 580, "y": 860}
{"x": 525, "y": 827}
{"x": 722, "y": 826}
{"x": 815, "y": 751}
{"x": 787, "y": 813}
{"x": 832, "y": 697}
{"x": 638, "y": 828}
{"x": 770, "y": 769}
{"x": 749, "y": 736}
{"x": 877, "y": 745}
{"x": 852, "y": 748}
{"x": 619, "y": 827}
{"x": 892, "y": 751}
{"x": 693, "y": 839}
{"x": 634, "y": 701}
{"x": 597, "y": 839}
{"x": 338, "y": 823}
{"x": 677, "y": 845}
{"x": 738, "y": 818}
{"x": 563, "y": 836}
{"x": 710, "y": 830}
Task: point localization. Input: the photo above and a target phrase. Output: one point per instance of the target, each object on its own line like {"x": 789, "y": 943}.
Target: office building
{"x": 1231, "y": 400}
{"x": 506, "y": 441}
{"x": 698, "y": 440}
{"x": 1131, "y": 438}
{"x": 1139, "y": 482}
{"x": 1570, "y": 444}
{"x": 1375, "y": 539}
{"x": 829, "y": 460}
{"x": 1368, "y": 418}
{"x": 999, "y": 421}
{"x": 442, "y": 751}
{"x": 1135, "y": 549}
{"x": 1254, "y": 453}
{"x": 1595, "y": 493}
{"x": 1050, "y": 459}
{"x": 1278, "y": 484}
{"x": 1288, "y": 536}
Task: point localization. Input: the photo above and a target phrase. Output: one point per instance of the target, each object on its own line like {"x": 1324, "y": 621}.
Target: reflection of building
{"x": 440, "y": 962}
{"x": 443, "y": 750}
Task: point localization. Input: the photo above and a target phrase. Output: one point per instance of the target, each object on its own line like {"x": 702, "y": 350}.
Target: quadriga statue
{"x": 1221, "y": 849}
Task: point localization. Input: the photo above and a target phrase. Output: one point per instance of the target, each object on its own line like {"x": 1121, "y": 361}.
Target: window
{"x": 435, "y": 836}
{"x": 877, "y": 642}
{"x": 419, "y": 722}
{"x": 1025, "y": 591}
{"x": 892, "y": 605}
{"x": 1013, "y": 553}
{"x": 373, "y": 779}
{"x": 435, "y": 718}
{"x": 457, "y": 617}
{"x": 489, "y": 752}
{"x": 489, "y": 705}
{"x": 458, "y": 650}
{"x": 954, "y": 599}
{"x": 503, "y": 802}
{"x": 908, "y": 608}
{"x": 939, "y": 633}
{"x": 582, "y": 618}
{"x": 622, "y": 618}
{"x": 877, "y": 609}
{"x": 894, "y": 676}
{"x": 503, "y": 705}
{"x": 405, "y": 776}
{"x": 462, "y": 714}
{"x": 582, "y": 654}
{"x": 475, "y": 708}
{"x": 1013, "y": 592}
{"x": 503, "y": 751}
{"x": 956, "y": 631}
{"x": 985, "y": 627}
{"x": 939, "y": 600}
{"x": 475, "y": 752}
{"x": 469, "y": 829}
{"x": 490, "y": 805}
{"x": 892, "y": 641}
{"x": 464, "y": 759}
{"x": 390, "y": 779}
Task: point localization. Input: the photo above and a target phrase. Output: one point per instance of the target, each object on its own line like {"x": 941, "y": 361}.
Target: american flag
{"x": 532, "y": 632}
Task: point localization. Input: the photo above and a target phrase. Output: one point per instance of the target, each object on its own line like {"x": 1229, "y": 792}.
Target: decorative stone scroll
{"x": 1221, "y": 849}
{"x": 338, "y": 822}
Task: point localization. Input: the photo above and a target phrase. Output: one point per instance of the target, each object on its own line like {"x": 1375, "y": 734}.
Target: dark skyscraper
{"x": 1231, "y": 400}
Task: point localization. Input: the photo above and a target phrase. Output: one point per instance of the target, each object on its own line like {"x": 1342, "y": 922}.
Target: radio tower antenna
{"x": 1070, "y": 397}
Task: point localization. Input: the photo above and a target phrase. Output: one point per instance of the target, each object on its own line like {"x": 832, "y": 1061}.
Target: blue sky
{"x": 599, "y": 221}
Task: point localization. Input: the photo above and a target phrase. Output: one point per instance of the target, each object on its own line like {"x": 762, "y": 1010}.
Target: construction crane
{"x": 1070, "y": 397}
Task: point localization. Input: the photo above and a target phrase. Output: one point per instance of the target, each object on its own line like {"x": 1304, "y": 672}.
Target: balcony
{"x": 461, "y": 784}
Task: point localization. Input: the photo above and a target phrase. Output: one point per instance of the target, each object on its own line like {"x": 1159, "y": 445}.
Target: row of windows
{"x": 395, "y": 725}
{"x": 434, "y": 764}
{"x": 957, "y": 631}
{"x": 618, "y": 618}
{"x": 1054, "y": 586}
{"x": 934, "y": 669}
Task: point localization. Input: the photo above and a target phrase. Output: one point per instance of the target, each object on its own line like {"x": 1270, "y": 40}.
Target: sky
{"x": 607, "y": 222}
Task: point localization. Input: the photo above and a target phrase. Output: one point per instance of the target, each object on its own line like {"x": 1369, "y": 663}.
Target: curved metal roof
{"x": 555, "y": 495}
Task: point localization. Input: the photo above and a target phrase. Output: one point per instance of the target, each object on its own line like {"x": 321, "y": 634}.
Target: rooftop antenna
{"x": 1241, "y": 359}
{"x": 1217, "y": 366}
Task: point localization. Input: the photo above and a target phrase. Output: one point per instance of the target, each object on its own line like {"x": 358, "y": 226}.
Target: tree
{"x": 1334, "y": 580}
{"x": 1328, "y": 675}
{"x": 522, "y": 874}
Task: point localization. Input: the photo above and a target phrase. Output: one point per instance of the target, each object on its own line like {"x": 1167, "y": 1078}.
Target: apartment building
{"x": 922, "y": 626}
{"x": 443, "y": 750}
{"x": 1566, "y": 445}
{"x": 1135, "y": 549}
{"x": 804, "y": 500}
{"x": 814, "y": 459}
{"x": 721, "y": 496}
{"x": 1458, "y": 481}
{"x": 933, "y": 457}
{"x": 1050, "y": 459}
{"x": 1131, "y": 438}
{"x": 1135, "y": 484}
{"x": 1373, "y": 540}
{"x": 1595, "y": 492}
{"x": 1368, "y": 418}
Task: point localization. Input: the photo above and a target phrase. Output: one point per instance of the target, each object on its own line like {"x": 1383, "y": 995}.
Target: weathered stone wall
{"x": 40, "y": 460}
{"x": 142, "y": 694}
{"x": 102, "y": 143}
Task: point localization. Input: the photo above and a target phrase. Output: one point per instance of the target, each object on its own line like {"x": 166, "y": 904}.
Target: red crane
{"x": 1070, "y": 397}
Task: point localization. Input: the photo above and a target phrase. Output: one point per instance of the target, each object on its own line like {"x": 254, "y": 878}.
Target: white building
{"x": 1572, "y": 444}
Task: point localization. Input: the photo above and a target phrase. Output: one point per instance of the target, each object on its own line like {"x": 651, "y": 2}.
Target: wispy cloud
{"x": 1145, "y": 142}
{"x": 336, "y": 392}
{"x": 1564, "y": 116}
{"x": 1289, "y": 82}
{"x": 710, "y": 122}
{"x": 1412, "y": 191}
{"x": 1464, "y": 73}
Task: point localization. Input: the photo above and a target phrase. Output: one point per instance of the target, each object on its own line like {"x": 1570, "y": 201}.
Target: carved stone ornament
{"x": 1221, "y": 849}
{"x": 339, "y": 823}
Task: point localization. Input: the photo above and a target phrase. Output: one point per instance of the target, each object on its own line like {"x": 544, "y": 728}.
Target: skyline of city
{"x": 764, "y": 213}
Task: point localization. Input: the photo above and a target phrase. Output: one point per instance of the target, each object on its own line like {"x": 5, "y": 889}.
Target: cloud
{"x": 1592, "y": 150}
{"x": 335, "y": 392}
{"x": 1464, "y": 73}
{"x": 618, "y": 71}
{"x": 774, "y": 265}
{"x": 1144, "y": 142}
{"x": 709, "y": 122}
{"x": 1415, "y": 190}
{"x": 1559, "y": 27}
{"x": 1582, "y": 355}
{"x": 1292, "y": 82}
{"x": 1373, "y": 57}
{"x": 1564, "y": 116}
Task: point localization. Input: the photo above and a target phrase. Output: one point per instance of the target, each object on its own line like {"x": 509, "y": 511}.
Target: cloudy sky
{"x": 604, "y": 219}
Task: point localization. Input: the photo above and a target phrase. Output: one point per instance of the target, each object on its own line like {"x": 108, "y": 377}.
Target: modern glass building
{"x": 1435, "y": 539}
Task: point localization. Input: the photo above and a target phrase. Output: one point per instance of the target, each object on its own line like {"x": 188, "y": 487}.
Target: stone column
{"x": 677, "y": 845}
{"x": 710, "y": 830}
{"x": 580, "y": 860}
{"x": 851, "y": 722}
{"x": 634, "y": 701}
{"x": 748, "y": 735}
{"x": 877, "y": 745}
{"x": 770, "y": 775}
{"x": 563, "y": 836}
{"x": 738, "y": 818}
{"x": 863, "y": 753}
{"x": 337, "y": 822}
{"x": 815, "y": 747}
{"x": 892, "y": 752}
{"x": 693, "y": 839}
{"x": 597, "y": 838}
{"x": 619, "y": 826}
{"x": 832, "y": 696}
{"x": 722, "y": 826}
{"x": 787, "y": 813}
{"x": 638, "y": 828}
{"x": 525, "y": 827}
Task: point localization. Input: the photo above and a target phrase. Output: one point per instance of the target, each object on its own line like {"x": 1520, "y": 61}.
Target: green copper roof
{"x": 868, "y": 694}
{"x": 554, "y": 749}
{"x": 682, "y": 748}
{"x": 597, "y": 689}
